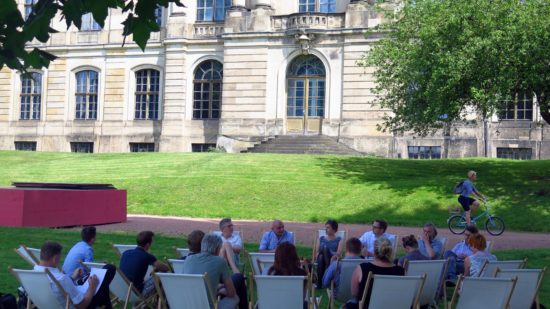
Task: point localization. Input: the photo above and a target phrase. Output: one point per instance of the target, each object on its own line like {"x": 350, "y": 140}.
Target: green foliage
{"x": 303, "y": 188}
{"x": 15, "y": 32}
{"x": 438, "y": 60}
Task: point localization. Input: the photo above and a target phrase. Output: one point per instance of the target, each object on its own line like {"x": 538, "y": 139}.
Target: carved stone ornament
{"x": 304, "y": 39}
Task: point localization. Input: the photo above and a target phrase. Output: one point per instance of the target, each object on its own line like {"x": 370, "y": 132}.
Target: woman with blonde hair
{"x": 381, "y": 265}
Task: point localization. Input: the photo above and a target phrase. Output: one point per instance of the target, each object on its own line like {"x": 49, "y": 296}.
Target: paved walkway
{"x": 305, "y": 232}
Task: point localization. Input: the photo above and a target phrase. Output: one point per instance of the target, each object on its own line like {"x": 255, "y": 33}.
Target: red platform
{"x": 40, "y": 207}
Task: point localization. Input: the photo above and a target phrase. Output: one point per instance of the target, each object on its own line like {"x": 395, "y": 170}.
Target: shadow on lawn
{"x": 519, "y": 189}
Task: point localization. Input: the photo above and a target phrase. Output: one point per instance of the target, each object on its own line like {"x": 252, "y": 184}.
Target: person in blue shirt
{"x": 467, "y": 202}
{"x": 277, "y": 235}
{"x": 81, "y": 251}
{"x": 458, "y": 254}
{"x": 353, "y": 251}
{"x": 429, "y": 245}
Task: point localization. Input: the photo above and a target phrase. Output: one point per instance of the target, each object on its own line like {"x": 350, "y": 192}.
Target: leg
{"x": 467, "y": 215}
{"x": 451, "y": 268}
{"x": 323, "y": 260}
{"x": 227, "y": 253}
{"x": 240, "y": 288}
{"x": 102, "y": 297}
{"x": 459, "y": 267}
{"x": 475, "y": 206}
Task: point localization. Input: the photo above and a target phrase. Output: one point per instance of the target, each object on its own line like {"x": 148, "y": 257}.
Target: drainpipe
{"x": 485, "y": 135}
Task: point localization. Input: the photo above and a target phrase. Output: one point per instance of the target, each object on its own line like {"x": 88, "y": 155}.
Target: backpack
{"x": 458, "y": 187}
{"x": 7, "y": 301}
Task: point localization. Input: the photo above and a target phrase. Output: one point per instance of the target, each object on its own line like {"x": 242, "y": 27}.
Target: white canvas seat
{"x": 184, "y": 291}
{"x": 275, "y": 292}
{"x": 120, "y": 249}
{"x": 486, "y": 293}
{"x": 262, "y": 257}
{"x": 37, "y": 285}
{"x": 489, "y": 269}
{"x": 489, "y": 246}
{"x": 122, "y": 288}
{"x": 182, "y": 252}
{"x": 264, "y": 265}
{"x": 30, "y": 255}
{"x": 176, "y": 265}
{"x": 396, "y": 292}
{"x": 341, "y": 234}
{"x": 443, "y": 241}
{"x": 346, "y": 266}
{"x": 434, "y": 270}
{"x": 527, "y": 286}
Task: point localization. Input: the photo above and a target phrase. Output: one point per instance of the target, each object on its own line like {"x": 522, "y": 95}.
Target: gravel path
{"x": 304, "y": 232}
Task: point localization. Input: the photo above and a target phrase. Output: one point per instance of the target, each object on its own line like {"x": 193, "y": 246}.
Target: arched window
{"x": 306, "y": 87}
{"x": 324, "y": 6}
{"x": 86, "y": 95}
{"x": 212, "y": 10}
{"x": 147, "y": 94}
{"x": 31, "y": 96}
{"x": 207, "y": 90}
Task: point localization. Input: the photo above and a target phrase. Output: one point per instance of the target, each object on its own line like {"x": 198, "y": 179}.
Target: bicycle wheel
{"x": 456, "y": 224}
{"x": 494, "y": 225}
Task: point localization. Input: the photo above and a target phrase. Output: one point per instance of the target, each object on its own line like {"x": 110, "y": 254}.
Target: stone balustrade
{"x": 208, "y": 29}
{"x": 308, "y": 20}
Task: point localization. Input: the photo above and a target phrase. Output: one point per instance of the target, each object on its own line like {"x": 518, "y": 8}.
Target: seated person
{"x": 458, "y": 254}
{"x": 474, "y": 262}
{"x": 287, "y": 263}
{"x": 194, "y": 242}
{"x": 81, "y": 251}
{"x": 232, "y": 244}
{"x": 232, "y": 288}
{"x": 410, "y": 244}
{"x": 379, "y": 227}
{"x": 277, "y": 235}
{"x": 50, "y": 255}
{"x": 353, "y": 251}
{"x": 134, "y": 264}
{"x": 329, "y": 246}
{"x": 429, "y": 245}
{"x": 381, "y": 265}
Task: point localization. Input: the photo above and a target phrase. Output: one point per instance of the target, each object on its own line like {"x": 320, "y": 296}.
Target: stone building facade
{"x": 231, "y": 73}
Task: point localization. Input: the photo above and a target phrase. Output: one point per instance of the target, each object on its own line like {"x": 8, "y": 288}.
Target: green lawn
{"x": 163, "y": 248}
{"x": 297, "y": 187}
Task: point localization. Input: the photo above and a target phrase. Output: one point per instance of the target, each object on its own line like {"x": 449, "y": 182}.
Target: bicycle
{"x": 494, "y": 225}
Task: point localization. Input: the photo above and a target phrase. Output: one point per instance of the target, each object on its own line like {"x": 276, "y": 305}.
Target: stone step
{"x": 302, "y": 144}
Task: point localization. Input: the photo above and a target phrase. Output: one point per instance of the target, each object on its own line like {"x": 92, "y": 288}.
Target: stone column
{"x": 263, "y": 3}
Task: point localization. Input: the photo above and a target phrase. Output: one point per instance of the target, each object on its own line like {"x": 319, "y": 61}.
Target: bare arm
{"x": 340, "y": 247}
{"x": 428, "y": 246}
{"x": 229, "y": 287}
{"x": 467, "y": 266}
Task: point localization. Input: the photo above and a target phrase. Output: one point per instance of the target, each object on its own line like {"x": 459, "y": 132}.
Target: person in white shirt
{"x": 232, "y": 244}
{"x": 50, "y": 255}
{"x": 379, "y": 227}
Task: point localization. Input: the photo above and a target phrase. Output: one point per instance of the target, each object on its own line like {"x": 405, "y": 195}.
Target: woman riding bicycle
{"x": 465, "y": 200}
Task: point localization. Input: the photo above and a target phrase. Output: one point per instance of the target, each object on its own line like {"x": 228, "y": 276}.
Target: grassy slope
{"x": 163, "y": 248}
{"x": 296, "y": 187}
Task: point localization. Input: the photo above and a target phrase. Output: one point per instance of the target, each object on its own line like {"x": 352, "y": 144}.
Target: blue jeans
{"x": 456, "y": 265}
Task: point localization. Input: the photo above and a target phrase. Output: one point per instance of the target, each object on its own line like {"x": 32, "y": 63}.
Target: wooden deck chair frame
{"x": 254, "y": 256}
{"x": 538, "y": 285}
{"x": 68, "y": 301}
{"x": 522, "y": 264}
{"x": 27, "y": 255}
{"x": 489, "y": 246}
{"x": 370, "y": 281}
{"x": 321, "y": 232}
{"x": 441, "y": 285}
{"x": 459, "y": 286}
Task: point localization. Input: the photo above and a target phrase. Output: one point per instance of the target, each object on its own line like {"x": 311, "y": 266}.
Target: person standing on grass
{"x": 467, "y": 202}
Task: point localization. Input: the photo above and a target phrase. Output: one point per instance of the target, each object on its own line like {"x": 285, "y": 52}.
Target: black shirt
{"x": 376, "y": 270}
{"x": 134, "y": 264}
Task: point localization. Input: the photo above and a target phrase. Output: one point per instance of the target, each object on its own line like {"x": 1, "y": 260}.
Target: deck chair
{"x": 393, "y": 291}
{"x": 182, "y": 252}
{"x": 527, "y": 286}
{"x": 39, "y": 290}
{"x": 346, "y": 266}
{"x": 489, "y": 269}
{"x": 30, "y": 255}
{"x": 176, "y": 265}
{"x": 394, "y": 247}
{"x": 255, "y": 256}
{"x": 486, "y": 293}
{"x": 434, "y": 270}
{"x": 120, "y": 249}
{"x": 183, "y": 291}
{"x": 489, "y": 246}
{"x": 276, "y": 292}
{"x": 341, "y": 234}
{"x": 123, "y": 289}
{"x": 443, "y": 245}
{"x": 264, "y": 266}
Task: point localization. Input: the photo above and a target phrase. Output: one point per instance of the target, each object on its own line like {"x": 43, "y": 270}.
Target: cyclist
{"x": 464, "y": 198}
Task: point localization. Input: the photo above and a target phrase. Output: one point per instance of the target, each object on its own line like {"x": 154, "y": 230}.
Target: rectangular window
{"x": 31, "y": 96}
{"x": 212, "y": 10}
{"x": 25, "y": 146}
{"x": 86, "y": 95}
{"x": 202, "y": 147}
{"x": 147, "y": 94}
{"x": 519, "y": 109}
{"x": 514, "y": 153}
{"x": 306, "y": 6}
{"x": 327, "y": 6}
{"x": 88, "y": 23}
{"x": 158, "y": 15}
{"x": 142, "y": 147}
{"x": 29, "y": 4}
{"x": 82, "y": 147}
{"x": 424, "y": 152}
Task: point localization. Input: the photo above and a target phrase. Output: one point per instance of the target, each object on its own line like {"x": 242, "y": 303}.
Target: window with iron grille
{"x": 207, "y": 90}
{"x": 212, "y": 10}
{"x": 147, "y": 94}
{"x": 31, "y": 96}
{"x": 142, "y": 147}
{"x": 86, "y": 95}
{"x": 25, "y": 146}
{"x": 202, "y": 147}
{"x": 514, "y": 153}
{"x": 82, "y": 147}
{"x": 424, "y": 152}
{"x": 324, "y": 6}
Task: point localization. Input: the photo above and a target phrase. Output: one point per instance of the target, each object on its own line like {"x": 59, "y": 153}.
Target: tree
{"x": 437, "y": 60}
{"x": 16, "y": 32}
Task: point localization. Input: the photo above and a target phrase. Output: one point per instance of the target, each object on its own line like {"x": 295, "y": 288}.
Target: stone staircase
{"x": 302, "y": 144}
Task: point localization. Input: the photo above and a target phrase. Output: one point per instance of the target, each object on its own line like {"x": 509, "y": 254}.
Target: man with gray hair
{"x": 231, "y": 288}
{"x": 278, "y": 235}
{"x": 232, "y": 244}
{"x": 430, "y": 246}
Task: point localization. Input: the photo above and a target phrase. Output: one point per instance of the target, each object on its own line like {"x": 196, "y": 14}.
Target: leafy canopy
{"x": 15, "y": 32}
{"x": 439, "y": 59}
